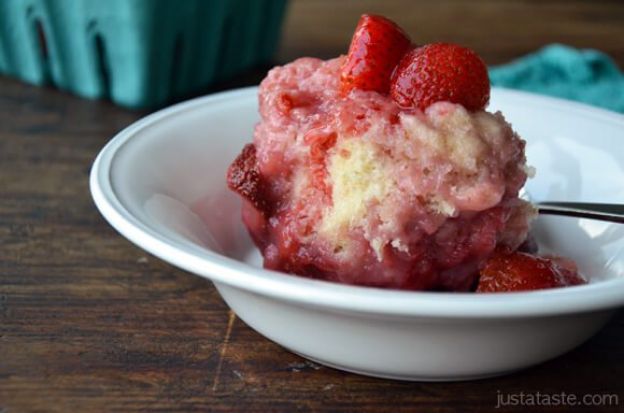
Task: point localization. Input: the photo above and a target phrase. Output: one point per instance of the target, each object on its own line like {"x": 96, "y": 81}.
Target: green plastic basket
{"x": 138, "y": 53}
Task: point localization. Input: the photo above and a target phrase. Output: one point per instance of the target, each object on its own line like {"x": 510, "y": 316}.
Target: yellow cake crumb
{"x": 358, "y": 178}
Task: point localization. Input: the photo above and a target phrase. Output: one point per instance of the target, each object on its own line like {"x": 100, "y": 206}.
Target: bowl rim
{"x": 320, "y": 294}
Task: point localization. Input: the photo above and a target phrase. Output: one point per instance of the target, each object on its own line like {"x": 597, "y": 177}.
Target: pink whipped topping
{"x": 364, "y": 193}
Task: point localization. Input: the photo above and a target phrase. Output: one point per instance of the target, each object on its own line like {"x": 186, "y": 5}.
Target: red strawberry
{"x": 441, "y": 72}
{"x": 519, "y": 271}
{"x": 376, "y": 47}
{"x": 244, "y": 178}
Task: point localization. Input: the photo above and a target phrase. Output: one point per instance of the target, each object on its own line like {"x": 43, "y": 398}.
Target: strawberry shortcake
{"x": 382, "y": 167}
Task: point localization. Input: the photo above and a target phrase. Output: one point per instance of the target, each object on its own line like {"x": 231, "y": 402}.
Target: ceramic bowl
{"x": 161, "y": 184}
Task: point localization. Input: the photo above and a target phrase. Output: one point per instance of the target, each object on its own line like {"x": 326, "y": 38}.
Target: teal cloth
{"x": 585, "y": 75}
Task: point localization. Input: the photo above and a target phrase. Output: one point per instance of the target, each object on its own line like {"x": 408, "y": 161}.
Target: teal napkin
{"x": 585, "y": 75}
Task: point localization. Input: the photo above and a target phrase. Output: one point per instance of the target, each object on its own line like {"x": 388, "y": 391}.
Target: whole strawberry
{"x": 441, "y": 72}
{"x": 519, "y": 271}
{"x": 376, "y": 47}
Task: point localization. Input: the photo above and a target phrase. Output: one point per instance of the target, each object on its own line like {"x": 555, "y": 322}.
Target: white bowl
{"x": 161, "y": 184}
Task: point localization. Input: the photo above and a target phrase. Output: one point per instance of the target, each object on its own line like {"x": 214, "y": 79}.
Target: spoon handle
{"x": 603, "y": 212}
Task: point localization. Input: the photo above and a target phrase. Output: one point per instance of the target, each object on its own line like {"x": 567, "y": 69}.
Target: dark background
{"x": 498, "y": 30}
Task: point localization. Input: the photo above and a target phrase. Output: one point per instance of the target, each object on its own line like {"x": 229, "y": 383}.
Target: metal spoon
{"x": 592, "y": 210}
{"x": 602, "y": 212}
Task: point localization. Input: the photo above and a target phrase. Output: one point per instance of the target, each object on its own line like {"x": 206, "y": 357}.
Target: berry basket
{"x": 138, "y": 53}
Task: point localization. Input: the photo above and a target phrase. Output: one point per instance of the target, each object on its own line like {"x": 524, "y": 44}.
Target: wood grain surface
{"x": 90, "y": 323}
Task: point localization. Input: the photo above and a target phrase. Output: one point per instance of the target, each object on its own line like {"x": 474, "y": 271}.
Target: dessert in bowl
{"x": 383, "y": 168}
{"x": 357, "y": 191}
{"x": 160, "y": 183}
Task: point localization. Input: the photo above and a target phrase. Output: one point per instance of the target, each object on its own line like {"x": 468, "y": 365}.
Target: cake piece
{"x": 383, "y": 168}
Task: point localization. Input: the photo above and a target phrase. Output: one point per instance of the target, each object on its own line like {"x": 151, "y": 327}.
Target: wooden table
{"x": 90, "y": 323}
